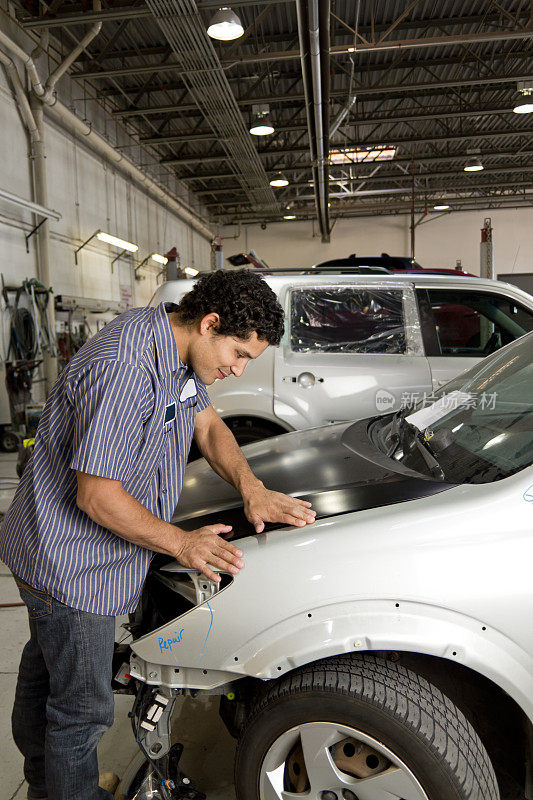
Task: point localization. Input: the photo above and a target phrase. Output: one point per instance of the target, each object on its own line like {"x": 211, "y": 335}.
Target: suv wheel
{"x": 248, "y": 430}
{"x": 360, "y": 729}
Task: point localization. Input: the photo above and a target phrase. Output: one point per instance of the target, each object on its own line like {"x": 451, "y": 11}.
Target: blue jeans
{"x": 64, "y": 701}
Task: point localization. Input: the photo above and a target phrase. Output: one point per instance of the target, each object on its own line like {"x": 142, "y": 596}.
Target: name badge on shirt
{"x": 188, "y": 391}
{"x": 170, "y": 413}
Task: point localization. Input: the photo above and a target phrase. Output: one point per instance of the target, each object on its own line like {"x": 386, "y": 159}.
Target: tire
{"x": 416, "y": 737}
{"x": 246, "y": 431}
{"x": 9, "y": 441}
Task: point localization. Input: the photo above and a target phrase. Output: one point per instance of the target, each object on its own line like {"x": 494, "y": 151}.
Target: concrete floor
{"x": 209, "y": 749}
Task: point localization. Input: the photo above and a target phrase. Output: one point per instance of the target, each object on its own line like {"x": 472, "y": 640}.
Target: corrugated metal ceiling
{"x": 432, "y": 103}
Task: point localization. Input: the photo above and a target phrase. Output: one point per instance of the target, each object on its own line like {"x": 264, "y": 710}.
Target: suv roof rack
{"x": 335, "y": 270}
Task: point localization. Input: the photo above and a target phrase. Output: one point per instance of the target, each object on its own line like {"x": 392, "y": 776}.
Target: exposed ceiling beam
{"x": 421, "y": 158}
{"x": 392, "y": 141}
{"x": 390, "y": 177}
{"x": 366, "y": 91}
{"x": 375, "y": 69}
{"x": 407, "y": 191}
{"x": 408, "y": 63}
{"x": 126, "y": 12}
{"x": 204, "y": 136}
{"x": 111, "y": 55}
{"x": 459, "y": 204}
{"x": 81, "y": 16}
{"x": 335, "y": 50}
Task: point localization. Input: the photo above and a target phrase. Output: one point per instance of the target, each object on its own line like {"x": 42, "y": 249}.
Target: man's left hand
{"x": 263, "y": 505}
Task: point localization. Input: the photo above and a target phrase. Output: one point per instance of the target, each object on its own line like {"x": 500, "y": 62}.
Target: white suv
{"x": 359, "y": 344}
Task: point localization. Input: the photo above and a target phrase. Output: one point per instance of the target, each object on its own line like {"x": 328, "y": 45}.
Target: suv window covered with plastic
{"x": 347, "y": 320}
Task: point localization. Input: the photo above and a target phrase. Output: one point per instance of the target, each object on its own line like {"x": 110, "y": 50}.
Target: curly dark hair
{"x": 243, "y": 300}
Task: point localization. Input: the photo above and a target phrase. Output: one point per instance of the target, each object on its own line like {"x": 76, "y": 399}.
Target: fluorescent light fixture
{"x": 225, "y": 25}
{"x": 191, "y": 271}
{"x": 353, "y": 155}
{"x": 289, "y": 216}
{"x": 473, "y": 165}
{"x": 160, "y": 259}
{"x": 279, "y": 180}
{"x": 441, "y": 208}
{"x": 114, "y": 240}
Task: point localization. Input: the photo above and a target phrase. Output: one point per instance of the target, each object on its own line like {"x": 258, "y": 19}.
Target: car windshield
{"x": 478, "y": 428}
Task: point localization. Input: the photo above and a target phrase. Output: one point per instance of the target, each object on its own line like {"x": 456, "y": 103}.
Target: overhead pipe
{"x": 46, "y": 93}
{"x": 313, "y": 32}
{"x": 341, "y": 116}
{"x": 64, "y": 115}
{"x": 94, "y": 30}
{"x": 27, "y": 60}
{"x": 20, "y": 95}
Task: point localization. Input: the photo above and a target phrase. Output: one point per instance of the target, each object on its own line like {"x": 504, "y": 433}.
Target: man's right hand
{"x": 204, "y": 548}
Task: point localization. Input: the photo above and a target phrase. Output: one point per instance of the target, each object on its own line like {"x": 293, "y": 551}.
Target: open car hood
{"x": 335, "y": 467}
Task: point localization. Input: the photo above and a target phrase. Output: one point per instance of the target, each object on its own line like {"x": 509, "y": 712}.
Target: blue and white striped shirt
{"x": 124, "y": 408}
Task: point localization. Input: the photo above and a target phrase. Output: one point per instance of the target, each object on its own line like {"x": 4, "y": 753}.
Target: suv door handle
{"x": 305, "y": 379}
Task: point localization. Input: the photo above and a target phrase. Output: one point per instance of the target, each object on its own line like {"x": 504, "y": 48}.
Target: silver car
{"x": 356, "y": 345}
{"x": 386, "y": 651}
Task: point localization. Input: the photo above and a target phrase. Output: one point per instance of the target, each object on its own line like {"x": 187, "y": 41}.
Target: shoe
{"x": 109, "y": 781}
{"x": 34, "y": 795}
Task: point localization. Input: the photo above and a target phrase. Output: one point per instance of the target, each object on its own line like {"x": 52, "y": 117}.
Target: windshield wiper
{"x": 410, "y": 436}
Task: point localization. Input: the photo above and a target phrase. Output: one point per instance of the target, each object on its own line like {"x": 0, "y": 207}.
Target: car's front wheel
{"x": 360, "y": 729}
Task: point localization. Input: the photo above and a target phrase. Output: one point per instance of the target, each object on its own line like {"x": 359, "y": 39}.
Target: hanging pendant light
{"x": 279, "y": 179}
{"x": 225, "y": 25}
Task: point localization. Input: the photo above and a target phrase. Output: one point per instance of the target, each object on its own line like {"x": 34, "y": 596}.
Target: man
{"x": 96, "y": 498}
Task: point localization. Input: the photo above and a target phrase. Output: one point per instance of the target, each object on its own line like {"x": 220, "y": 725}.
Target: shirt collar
{"x": 168, "y": 357}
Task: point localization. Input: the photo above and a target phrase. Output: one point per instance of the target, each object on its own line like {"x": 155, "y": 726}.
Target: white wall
{"x": 89, "y": 194}
{"x": 439, "y": 242}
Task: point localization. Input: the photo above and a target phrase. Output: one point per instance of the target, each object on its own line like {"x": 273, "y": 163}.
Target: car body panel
{"x": 314, "y": 463}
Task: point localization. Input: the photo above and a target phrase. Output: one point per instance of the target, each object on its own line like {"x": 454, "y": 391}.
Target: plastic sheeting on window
{"x": 348, "y": 320}
{"x": 413, "y": 327}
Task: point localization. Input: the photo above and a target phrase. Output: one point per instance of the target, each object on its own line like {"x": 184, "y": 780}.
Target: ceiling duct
{"x": 206, "y": 81}
{"x": 313, "y": 31}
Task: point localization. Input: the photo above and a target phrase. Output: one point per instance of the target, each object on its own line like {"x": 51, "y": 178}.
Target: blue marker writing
{"x": 208, "y": 630}
{"x": 166, "y": 644}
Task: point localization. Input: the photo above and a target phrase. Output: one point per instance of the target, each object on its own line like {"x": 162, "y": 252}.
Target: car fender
{"x": 394, "y": 625}
{"x": 340, "y": 629}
